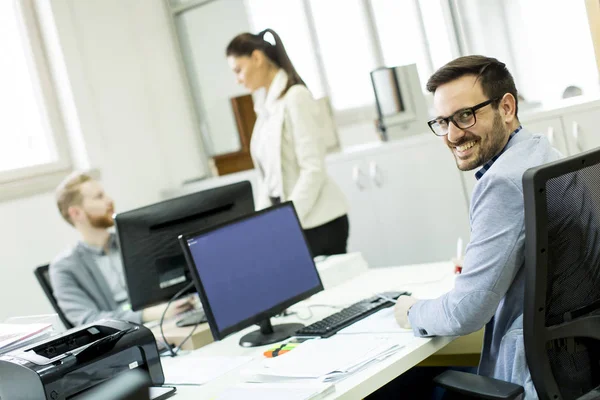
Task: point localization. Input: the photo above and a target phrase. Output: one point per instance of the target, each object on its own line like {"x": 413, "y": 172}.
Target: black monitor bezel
{"x": 166, "y": 294}
{"x": 220, "y": 334}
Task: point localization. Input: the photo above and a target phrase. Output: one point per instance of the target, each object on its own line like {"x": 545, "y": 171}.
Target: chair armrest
{"x": 478, "y": 386}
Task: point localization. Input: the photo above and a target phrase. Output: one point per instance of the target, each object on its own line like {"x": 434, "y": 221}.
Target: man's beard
{"x": 496, "y": 137}
{"x": 102, "y": 221}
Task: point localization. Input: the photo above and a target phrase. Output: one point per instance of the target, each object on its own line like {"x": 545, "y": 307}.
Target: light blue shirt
{"x": 490, "y": 290}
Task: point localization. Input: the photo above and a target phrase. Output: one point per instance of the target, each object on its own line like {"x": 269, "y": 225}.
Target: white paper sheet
{"x": 382, "y": 321}
{"x": 191, "y": 369}
{"x": 325, "y": 359}
{"x": 16, "y": 335}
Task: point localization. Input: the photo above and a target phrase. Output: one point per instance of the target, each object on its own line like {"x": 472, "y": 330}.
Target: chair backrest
{"x": 43, "y": 277}
{"x": 562, "y": 291}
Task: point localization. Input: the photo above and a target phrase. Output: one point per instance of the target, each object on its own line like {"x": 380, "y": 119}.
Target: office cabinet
{"x": 351, "y": 176}
{"x": 576, "y": 118}
{"x": 407, "y": 202}
{"x": 553, "y": 129}
{"x": 570, "y": 130}
{"x": 582, "y": 129}
{"x": 418, "y": 194}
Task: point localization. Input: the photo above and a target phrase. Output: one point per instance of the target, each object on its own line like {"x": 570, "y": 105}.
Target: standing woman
{"x": 287, "y": 144}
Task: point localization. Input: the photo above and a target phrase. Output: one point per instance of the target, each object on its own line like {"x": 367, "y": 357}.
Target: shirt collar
{"x": 488, "y": 165}
{"x": 112, "y": 244}
{"x": 264, "y": 100}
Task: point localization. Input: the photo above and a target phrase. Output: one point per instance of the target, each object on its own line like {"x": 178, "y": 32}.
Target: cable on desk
{"x": 178, "y": 348}
{"x": 162, "y": 320}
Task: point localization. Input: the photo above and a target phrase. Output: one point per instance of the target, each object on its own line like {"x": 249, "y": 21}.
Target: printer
{"x": 63, "y": 366}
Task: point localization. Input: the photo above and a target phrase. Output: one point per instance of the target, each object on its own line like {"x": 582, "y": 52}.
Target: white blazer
{"x": 288, "y": 151}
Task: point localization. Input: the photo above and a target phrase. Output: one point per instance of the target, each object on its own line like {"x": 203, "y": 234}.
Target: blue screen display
{"x": 253, "y": 265}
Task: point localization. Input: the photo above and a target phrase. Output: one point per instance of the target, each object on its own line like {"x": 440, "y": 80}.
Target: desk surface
{"x": 424, "y": 281}
{"x": 176, "y": 335}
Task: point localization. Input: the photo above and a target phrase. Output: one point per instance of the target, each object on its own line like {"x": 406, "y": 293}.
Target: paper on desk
{"x": 325, "y": 359}
{"x": 13, "y": 336}
{"x": 191, "y": 369}
{"x": 382, "y": 321}
{"x": 278, "y": 391}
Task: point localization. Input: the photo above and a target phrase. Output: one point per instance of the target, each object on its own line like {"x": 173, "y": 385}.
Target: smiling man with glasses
{"x": 475, "y": 99}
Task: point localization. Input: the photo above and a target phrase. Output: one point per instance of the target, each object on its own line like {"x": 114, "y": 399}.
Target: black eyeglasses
{"x": 462, "y": 119}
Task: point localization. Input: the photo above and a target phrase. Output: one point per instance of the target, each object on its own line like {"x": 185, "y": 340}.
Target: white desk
{"x": 424, "y": 281}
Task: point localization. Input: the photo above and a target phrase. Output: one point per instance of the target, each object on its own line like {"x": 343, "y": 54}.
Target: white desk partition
{"x": 424, "y": 281}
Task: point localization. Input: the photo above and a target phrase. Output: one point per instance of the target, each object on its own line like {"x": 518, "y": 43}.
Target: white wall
{"x": 136, "y": 121}
{"x": 555, "y": 40}
{"x": 486, "y": 30}
{"x": 204, "y": 33}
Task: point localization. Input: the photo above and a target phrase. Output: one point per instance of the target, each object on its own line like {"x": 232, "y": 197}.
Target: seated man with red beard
{"x": 88, "y": 280}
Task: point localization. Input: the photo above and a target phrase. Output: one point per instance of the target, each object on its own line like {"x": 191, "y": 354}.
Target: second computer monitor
{"x": 251, "y": 269}
{"x": 155, "y": 268}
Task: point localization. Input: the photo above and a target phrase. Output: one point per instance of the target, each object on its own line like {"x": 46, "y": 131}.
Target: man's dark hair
{"x": 494, "y": 77}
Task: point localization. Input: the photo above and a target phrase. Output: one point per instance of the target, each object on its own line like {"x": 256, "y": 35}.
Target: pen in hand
{"x": 459, "y": 254}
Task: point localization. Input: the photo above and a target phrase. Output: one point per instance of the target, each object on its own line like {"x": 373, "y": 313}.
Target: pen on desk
{"x": 386, "y": 298}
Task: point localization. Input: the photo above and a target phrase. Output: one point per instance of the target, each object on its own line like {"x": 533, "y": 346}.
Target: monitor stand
{"x": 191, "y": 318}
{"x": 268, "y": 334}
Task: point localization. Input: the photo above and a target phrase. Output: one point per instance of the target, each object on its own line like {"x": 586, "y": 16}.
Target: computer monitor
{"x": 251, "y": 269}
{"x": 155, "y": 267}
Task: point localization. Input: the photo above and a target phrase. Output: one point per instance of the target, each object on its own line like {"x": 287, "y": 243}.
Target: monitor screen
{"x": 155, "y": 267}
{"x": 250, "y": 269}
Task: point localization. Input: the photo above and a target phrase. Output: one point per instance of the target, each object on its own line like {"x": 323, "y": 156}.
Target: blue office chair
{"x": 561, "y": 319}
{"x": 43, "y": 277}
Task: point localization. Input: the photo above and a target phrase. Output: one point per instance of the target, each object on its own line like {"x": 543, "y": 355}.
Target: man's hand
{"x": 401, "y": 310}
{"x": 178, "y": 306}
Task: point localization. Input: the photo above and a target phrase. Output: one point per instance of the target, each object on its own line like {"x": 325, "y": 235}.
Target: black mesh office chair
{"x": 43, "y": 277}
{"x": 561, "y": 319}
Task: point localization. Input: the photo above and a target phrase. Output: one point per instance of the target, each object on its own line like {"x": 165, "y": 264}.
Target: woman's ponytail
{"x": 280, "y": 57}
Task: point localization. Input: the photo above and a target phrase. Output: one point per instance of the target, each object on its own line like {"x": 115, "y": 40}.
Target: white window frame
{"x": 353, "y": 115}
{"x": 39, "y": 178}
{"x": 360, "y": 114}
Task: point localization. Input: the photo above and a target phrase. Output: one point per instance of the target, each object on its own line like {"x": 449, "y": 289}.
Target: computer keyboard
{"x": 191, "y": 318}
{"x": 332, "y": 324}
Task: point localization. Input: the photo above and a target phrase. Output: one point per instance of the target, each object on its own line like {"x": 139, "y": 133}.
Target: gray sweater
{"x": 81, "y": 289}
{"x": 490, "y": 290}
